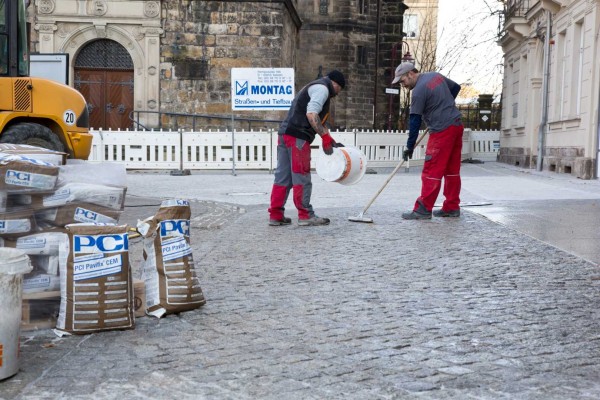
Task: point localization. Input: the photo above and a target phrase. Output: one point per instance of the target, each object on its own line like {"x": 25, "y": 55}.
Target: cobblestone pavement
{"x": 442, "y": 309}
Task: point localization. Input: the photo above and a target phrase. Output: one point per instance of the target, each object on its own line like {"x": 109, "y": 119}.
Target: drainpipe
{"x": 544, "y": 122}
{"x": 598, "y": 139}
{"x": 375, "y": 89}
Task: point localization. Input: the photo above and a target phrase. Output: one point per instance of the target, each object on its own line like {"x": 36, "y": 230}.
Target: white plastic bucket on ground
{"x": 13, "y": 265}
{"x": 347, "y": 165}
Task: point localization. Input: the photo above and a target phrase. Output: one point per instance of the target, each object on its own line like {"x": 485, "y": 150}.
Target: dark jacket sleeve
{"x": 453, "y": 86}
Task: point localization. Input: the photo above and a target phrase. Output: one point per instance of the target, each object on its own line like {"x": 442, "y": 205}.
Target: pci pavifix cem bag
{"x": 169, "y": 273}
{"x": 96, "y": 284}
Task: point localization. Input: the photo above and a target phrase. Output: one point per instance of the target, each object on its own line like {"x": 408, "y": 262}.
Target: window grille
{"x": 104, "y": 54}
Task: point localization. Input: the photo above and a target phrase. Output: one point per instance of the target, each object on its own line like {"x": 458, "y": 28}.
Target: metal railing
{"x": 515, "y": 8}
{"x": 174, "y": 120}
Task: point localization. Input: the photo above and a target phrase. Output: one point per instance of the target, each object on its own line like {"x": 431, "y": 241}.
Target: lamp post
{"x": 407, "y": 57}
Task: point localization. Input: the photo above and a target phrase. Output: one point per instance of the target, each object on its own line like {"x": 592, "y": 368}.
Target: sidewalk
{"x": 441, "y": 309}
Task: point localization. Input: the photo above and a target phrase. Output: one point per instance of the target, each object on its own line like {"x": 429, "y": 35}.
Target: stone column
{"x": 152, "y": 44}
{"x": 46, "y": 37}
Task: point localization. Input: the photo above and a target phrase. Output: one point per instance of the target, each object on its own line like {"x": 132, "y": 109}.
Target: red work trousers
{"x": 292, "y": 173}
{"x": 442, "y": 160}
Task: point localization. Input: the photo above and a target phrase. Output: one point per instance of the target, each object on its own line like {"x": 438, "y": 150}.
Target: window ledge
{"x": 568, "y": 122}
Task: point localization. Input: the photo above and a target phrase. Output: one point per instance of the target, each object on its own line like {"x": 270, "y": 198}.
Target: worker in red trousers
{"x": 433, "y": 100}
{"x": 304, "y": 121}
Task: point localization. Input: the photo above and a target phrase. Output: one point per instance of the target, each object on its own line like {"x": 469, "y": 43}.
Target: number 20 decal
{"x": 69, "y": 117}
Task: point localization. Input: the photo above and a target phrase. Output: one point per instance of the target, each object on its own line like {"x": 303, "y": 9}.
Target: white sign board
{"x": 50, "y": 66}
{"x": 262, "y": 88}
{"x": 392, "y": 91}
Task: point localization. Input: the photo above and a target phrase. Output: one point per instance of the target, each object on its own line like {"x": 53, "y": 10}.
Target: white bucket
{"x": 347, "y": 165}
{"x": 13, "y": 264}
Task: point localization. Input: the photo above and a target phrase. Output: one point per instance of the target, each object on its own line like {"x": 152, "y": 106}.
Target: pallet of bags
{"x": 28, "y": 172}
{"x": 96, "y": 282}
{"x": 33, "y": 216}
{"x": 169, "y": 272}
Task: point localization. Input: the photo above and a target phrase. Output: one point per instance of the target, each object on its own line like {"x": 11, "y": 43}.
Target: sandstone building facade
{"x": 551, "y": 89}
{"x": 163, "y": 59}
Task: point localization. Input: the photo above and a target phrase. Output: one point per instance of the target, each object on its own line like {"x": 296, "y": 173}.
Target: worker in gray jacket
{"x": 304, "y": 121}
{"x": 433, "y": 101}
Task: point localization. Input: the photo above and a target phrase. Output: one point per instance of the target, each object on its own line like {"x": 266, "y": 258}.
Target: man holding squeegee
{"x": 433, "y": 100}
{"x": 305, "y": 119}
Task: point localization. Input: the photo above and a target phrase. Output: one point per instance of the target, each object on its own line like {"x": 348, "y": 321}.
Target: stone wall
{"x": 203, "y": 40}
{"x": 344, "y": 38}
{"x": 563, "y": 160}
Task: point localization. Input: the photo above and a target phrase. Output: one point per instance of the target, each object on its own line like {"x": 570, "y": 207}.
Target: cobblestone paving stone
{"x": 442, "y": 309}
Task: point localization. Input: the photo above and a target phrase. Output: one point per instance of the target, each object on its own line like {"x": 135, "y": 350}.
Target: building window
{"x": 411, "y": 25}
{"x": 509, "y": 99}
{"x": 577, "y": 75}
{"x": 514, "y": 91}
{"x": 363, "y": 6}
{"x": 361, "y": 55}
{"x": 523, "y": 91}
{"x": 561, "y": 53}
{"x": 323, "y": 7}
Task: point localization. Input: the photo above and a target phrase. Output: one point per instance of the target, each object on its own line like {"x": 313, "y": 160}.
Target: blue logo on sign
{"x": 17, "y": 176}
{"x": 241, "y": 89}
{"x": 87, "y": 214}
{"x": 100, "y": 243}
{"x": 175, "y": 227}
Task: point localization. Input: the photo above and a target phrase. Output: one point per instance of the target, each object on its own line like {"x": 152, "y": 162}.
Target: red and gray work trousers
{"x": 292, "y": 173}
{"x": 442, "y": 160}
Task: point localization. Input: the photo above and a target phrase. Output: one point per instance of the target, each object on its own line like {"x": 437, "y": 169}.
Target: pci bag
{"x": 72, "y": 213}
{"x": 95, "y": 283}
{"x": 169, "y": 272}
{"x": 19, "y": 174}
{"x": 38, "y": 153}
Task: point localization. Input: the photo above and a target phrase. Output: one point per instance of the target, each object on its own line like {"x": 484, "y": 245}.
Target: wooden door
{"x": 109, "y": 94}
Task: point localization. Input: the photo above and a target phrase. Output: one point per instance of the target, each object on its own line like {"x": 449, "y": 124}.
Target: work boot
{"x": 420, "y": 213}
{"x": 443, "y": 213}
{"x": 313, "y": 221}
{"x": 279, "y": 222}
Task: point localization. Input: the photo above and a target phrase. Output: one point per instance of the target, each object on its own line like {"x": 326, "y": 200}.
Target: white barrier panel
{"x": 258, "y": 149}
{"x": 214, "y": 150}
{"x": 484, "y": 145}
{"x": 139, "y": 149}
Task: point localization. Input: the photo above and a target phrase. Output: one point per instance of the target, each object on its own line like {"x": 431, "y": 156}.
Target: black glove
{"x": 337, "y": 144}
{"x": 406, "y": 154}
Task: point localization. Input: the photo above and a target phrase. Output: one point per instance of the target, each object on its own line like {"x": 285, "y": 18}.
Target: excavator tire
{"x": 32, "y": 134}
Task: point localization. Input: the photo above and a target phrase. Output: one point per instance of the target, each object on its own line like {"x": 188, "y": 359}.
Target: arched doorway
{"x": 104, "y": 75}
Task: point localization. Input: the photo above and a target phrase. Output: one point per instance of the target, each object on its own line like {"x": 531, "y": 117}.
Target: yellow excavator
{"x": 36, "y": 111}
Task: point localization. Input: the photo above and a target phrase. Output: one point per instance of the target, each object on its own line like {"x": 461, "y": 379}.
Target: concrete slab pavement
{"x": 440, "y": 309}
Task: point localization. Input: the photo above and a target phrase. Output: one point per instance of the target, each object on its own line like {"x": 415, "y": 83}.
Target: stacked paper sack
{"x": 40, "y": 196}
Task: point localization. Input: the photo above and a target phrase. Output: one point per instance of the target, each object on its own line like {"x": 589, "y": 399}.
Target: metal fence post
{"x": 232, "y": 145}
{"x": 180, "y": 171}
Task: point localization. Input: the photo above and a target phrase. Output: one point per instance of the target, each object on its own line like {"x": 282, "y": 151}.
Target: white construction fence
{"x": 257, "y": 150}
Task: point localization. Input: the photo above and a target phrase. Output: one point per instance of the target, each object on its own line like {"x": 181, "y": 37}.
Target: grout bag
{"x": 169, "y": 273}
{"x": 95, "y": 283}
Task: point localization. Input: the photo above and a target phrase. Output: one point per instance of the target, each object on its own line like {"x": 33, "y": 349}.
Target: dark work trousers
{"x": 442, "y": 160}
{"x": 293, "y": 172}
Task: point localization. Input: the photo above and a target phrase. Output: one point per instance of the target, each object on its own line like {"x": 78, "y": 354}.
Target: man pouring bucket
{"x": 303, "y": 122}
